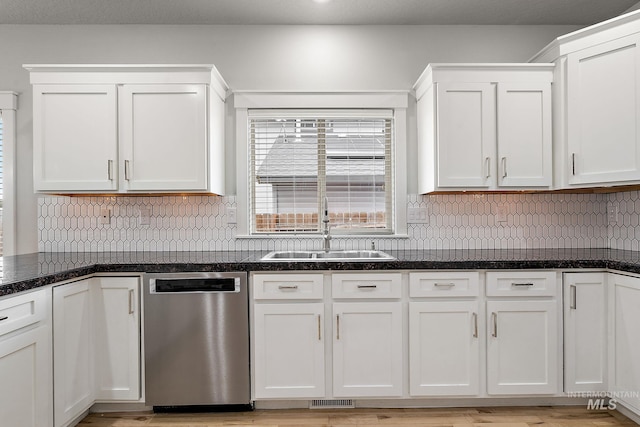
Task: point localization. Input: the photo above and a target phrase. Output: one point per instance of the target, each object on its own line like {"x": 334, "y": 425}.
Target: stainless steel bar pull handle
{"x": 338, "y": 327}
{"x": 110, "y": 169}
{"x": 573, "y": 296}
{"x": 475, "y": 325}
{"x": 504, "y": 167}
{"x": 522, "y": 284}
{"x": 3, "y": 318}
{"x": 367, "y": 286}
{"x": 132, "y": 301}
{"x": 494, "y": 320}
{"x": 319, "y": 328}
{"x": 126, "y": 170}
{"x": 288, "y": 287}
{"x": 444, "y": 285}
{"x": 487, "y": 164}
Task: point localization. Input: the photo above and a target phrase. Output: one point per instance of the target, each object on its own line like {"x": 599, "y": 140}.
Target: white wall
{"x": 305, "y": 58}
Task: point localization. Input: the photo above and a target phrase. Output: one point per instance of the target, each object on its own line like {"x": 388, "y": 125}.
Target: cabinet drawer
{"x": 444, "y": 284}
{"x": 287, "y": 286}
{"x": 521, "y": 283}
{"x": 22, "y": 310}
{"x": 370, "y": 285}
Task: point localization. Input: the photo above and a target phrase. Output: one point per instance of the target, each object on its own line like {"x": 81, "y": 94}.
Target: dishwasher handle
{"x": 195, "y": 285}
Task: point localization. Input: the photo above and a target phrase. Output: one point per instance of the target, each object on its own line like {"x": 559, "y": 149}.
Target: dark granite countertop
{"x": 25, "y": 272}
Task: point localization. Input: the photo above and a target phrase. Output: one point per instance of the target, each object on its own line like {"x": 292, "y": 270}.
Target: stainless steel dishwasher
{"x": 196, "y": 341}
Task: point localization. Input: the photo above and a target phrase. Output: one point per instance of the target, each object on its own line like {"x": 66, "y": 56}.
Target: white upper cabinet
{"x": 465, "y": 121}
{"x": 484, "y": 127}
{"x": 524, "y": 135}
{"x": 75, "y": 137}
{"x": 164, "y": 137}
{"x": 597, "y": 104}
{"x": 119, "y": 129}
{"x": 602, "y": 112}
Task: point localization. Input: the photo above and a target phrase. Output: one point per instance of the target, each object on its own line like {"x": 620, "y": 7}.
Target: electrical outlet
{"x": 105, "y": 216}
{"x": 145, "y": 215}
{"x": 417, "y": 216}
{"x": 612, "y": 213}
{"x": 501, "y": 213}
{"x": 232, "y": 216}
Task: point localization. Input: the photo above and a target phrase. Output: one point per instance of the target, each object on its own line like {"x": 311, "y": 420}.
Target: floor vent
{"x": 331, "y": 403}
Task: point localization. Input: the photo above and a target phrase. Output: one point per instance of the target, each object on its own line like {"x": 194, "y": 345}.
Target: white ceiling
{"x": 375, "y": 12}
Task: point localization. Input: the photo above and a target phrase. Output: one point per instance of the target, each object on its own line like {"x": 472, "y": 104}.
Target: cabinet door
{"x": 603, "y": 111}
{"x": 466, "y": 134}
{"x": 72, "y": 352}
{"x": 625, "y": 316}
{"x": 289, "y": 350}
{"x": 444, "y": 356}
{"x": 524, "y": 134}
{"x": 522, "y": 347}
{"x": 75, "y": 137}
{"x": 367, "y": 349}
{"x": 164, "y": 137}
{"x": 117, "y": 338}
{"x": 25, "y": 365}
{"x": 585, "y": 332}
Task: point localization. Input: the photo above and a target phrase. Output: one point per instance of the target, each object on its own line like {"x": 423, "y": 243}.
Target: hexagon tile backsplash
{"x": 623, "y": 218}
{"x": 460, "y": 221}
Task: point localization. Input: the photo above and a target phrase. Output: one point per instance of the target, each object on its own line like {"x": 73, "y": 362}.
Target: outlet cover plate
{"x": 417, "y": 216}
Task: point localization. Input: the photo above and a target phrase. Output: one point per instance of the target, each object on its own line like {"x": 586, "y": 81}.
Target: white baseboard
{"x": 435, "y": 402}
{"x": 629, "y": 413}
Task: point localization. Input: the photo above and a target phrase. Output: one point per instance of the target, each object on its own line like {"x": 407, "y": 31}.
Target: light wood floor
{"x": 464, "y": 417}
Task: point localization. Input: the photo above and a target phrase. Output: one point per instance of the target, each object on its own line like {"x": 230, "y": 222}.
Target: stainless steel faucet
{"x": 326, "y": 229}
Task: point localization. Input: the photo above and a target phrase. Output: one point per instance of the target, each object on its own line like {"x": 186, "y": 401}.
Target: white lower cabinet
{"x": 73, "y": 391}
{"x": 289, "y": 350}
{"x": 624, "y": 297}
{"x": 585, "y": 332}
{"x": 117, "y": 338}
{"x": 296, "y": 351}
{"x": 25, "y": 361}
{"x": 23, "y": 364}
{"x": 96, "y": 350}
{"x": 522, "y": 347}
{"x": 369, "y": 335}
{"x": 367, "y": 349}
{"x": 444, "y": 351}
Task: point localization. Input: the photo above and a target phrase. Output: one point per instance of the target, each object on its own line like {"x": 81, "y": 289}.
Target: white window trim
{"x": 244, "y": 101}
{"x": 8, "y": 107}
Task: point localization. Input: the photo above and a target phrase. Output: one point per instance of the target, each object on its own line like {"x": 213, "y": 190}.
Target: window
{"x": 8, "y": 106}
{"x": 299, "y": 159}
{"x": 1, "y": 184}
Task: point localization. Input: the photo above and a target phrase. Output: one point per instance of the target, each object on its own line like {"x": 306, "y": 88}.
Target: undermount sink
{"x": 347, "y": 255}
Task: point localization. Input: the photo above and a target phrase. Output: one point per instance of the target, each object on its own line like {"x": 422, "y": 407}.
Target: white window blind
{"x": 298, "y": 158}
{"x": 1, "y": 187}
